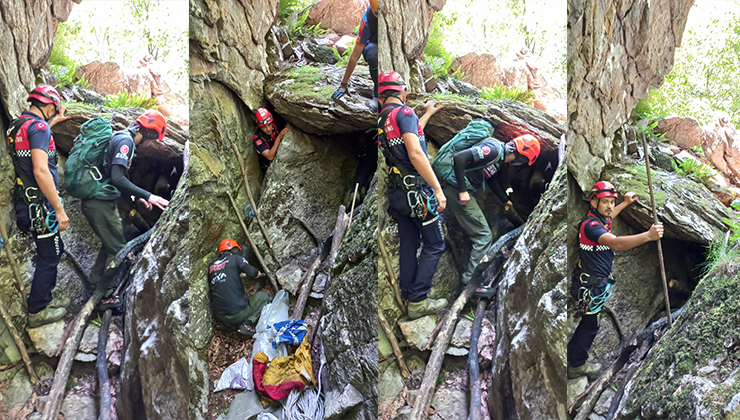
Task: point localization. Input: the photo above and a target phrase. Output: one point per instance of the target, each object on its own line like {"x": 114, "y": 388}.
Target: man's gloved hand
{"x": 343, "y": 89}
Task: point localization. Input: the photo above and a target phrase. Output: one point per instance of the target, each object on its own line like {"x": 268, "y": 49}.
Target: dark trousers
{"x": 251, "y": 313}
{"x": 416, "y": 276}
{"x": 370, "y": 53}
{"x": 49, "y": 251}
{"x": 105, "y": 221}
{"x": 582, "y": 339}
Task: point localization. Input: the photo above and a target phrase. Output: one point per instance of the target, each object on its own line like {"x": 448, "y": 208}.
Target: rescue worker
{"x": 102, "y": 215}
{"x": 267, "y": 140}
{"x": 411, "y": 179}
{"x": 592, "y": 278}
{"x": 490, "y": 154}
{"x": 367, "y": 46}
{"x": 231, "y": 306}
{"x": 38, "y": 207}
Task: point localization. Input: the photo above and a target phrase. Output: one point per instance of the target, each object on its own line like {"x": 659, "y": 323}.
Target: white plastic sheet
{"x": 276, "y": 311}
{"x": 236, "y": 376}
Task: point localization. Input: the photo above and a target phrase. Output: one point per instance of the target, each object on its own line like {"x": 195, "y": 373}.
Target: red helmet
{"x": 154, "y": 120}
{"x": 46, "y": 95}
{"x": 603, "y": 189}
{"x": 390, "y": 80}
{"x": 528, "y": 146}
{"x": 228, "y": 244}
{"x": 263, "y": 117}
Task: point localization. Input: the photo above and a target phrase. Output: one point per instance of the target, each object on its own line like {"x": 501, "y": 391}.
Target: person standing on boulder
{"x": 39, "y": 209}
{"x": 231, "y": 306}
{"x": 592, "y": 278}
{"x": 102, "y": 215}
{"x": 367, "y": 46}
{"x": 414, "y": 193}
{"x": 474, "y": 166}
{"x": 267, "y": 140}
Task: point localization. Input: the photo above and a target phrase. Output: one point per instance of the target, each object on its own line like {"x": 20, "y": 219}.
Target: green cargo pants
{"x": 472, "y": 221}
{"x": 251, "y": 313}
{"x": 105, "y": 221}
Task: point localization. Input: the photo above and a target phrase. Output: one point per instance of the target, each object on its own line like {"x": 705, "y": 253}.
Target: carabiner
{"x": 28, "y": 197}
{"x": 93, "y": 172}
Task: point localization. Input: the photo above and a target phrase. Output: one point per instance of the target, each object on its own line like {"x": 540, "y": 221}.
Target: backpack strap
{"x": 12, "y": 132}
{"x": 383, "y": 141}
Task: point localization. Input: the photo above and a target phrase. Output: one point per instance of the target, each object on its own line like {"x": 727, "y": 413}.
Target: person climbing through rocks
{"x": 231, "y": 306}
{"x": 102, "y": 215}
{"x": 367, "y": 46}
{"x": 267, "y": 139}
{"x": 592, "y": 278}
{"x": 39, "y": 209}
{"x": 414, "y": 193}
{"x": 472, "y": 169}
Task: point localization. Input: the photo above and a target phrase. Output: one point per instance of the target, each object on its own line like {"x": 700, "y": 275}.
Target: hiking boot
{"x": 586, "y": 369}
{"x": 47, "y": 316}
{"x": 113, "y": 302}
{"x": 247, "y": 329}
{"x": 426, "y": 307}
{"x": 59, "y": 302}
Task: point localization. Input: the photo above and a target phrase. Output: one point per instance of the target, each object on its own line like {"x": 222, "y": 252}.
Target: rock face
{"x": 302, "y": 95}
{"x": 722, "y": 146}
{"x": 403, "y": 29}
{"x": 612, "y": 66}
{"x": 340, "y": 16}
{"x": 156, "y": 321}
{"x": 228, "y": 45}
{"x": 480, "y": 70}
{"x": 104, "y": 78}
{"x": 529, "y": 379}
{"x": 349, "y": 326}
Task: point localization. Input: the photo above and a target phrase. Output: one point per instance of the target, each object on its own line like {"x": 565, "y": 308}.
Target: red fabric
{"x": 276, "y": 392}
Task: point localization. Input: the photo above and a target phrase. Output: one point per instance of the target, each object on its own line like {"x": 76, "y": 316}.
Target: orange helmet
{"x": 374, "y": 6}
{"x": 527, "y": 145}
{"x": 228, "y": 244}
{"x": 153, "y": 120}
{"x": 603, "y": 189}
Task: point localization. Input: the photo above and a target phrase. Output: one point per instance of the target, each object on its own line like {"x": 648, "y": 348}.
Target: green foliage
{"x": 653, "y": 107}
{"x": 126, "y": 100}
{"x": 298, "y": 28}
{"x": 504, "y": 93}
{"x": 696, "y": 170}
{"x": 343, "y": 59}
{"x": 435, "y": 54}
{"x": 648, "y": 131}
{"x": 288, "y": 7}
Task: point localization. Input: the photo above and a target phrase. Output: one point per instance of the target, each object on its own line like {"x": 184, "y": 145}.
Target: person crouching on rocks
{"x": 234, "y": 310}
{"x": 592, "y": 278}
{"x": 267, "y": 140}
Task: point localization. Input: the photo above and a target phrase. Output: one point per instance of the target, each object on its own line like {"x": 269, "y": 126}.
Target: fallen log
{"x": 257, "y": 253}
{"x": 106, "y": 408}
{"x": 340, "y": 228}
{"x": 72, "y": 343}
{"x": 426, "y": 391}
{"x": 306, "y": 283}
{"x": 19, "y": 344}
{"x": 391, "y": 275}
{"x": 76, "y": 263}
{"x": 254, "y": 205}
{"x": 386, "y": 326}
{"x": 473, "y": 367}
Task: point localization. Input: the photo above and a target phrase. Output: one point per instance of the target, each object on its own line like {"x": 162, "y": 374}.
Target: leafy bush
{"x": 343, "y": 59}
{"x": 652, "y": 108}
{"x": 126, "y": 100}
{"x": 298, "y": 28}
{"x": 695, "y": 169}
{"x": 504, "y": 93}
{"x": 288, "y": 7}
{"x": 648, "y": 131}
{"x": 435, "y": 54}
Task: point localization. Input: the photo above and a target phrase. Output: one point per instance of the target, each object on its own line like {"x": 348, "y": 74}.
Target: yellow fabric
{"x": 294, "y": 368}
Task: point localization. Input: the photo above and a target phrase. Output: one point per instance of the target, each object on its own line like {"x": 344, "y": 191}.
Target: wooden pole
{"x": 352, "y": 209}
{"x": 76, "y": 263}
{"x": 251, "y": 244}
{"x": 473, "y": 367}
{"x": 106, "y": 407}
{"x": 386, "y": 326}
{"x": 13, "y": 263}
{"x": 655, "y": 221}
{"x": 254, "y": 205}
{"x": 19, "y": 343}
{"x": 391, "y": 275}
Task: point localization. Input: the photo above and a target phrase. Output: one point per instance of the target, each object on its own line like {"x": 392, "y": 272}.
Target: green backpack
{"x": 476, "y": 131}
{"x": 82, "y": 177}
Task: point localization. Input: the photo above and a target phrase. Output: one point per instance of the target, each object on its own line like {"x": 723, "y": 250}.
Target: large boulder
{"x": 685, "y": 132}
{"x": 529, "y": 379}
{"x": 479, "y": 70}
{"x": 407, "y": 25}
{"x": 104, "y": 78}
{"x": 302, "y": 95}
{"x": 227, "y": 41}
{"x": 156, "y": 321}
{"x": 722, "y": 145}
{"x": 340, "y": 16}
{"x": 610, "y": 67}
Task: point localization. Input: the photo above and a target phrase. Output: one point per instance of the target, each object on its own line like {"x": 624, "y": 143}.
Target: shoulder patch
{"x": 486, "y": 150}
{"x": 124, "y": 149}
{"x": 40, "y": 125}
{"x": 258, "y": 142}
{"x": 594, "y": 223}
{"x": 407, "y": 110}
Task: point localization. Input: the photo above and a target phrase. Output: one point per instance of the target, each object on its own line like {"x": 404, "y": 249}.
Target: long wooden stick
{"x": 13, "y": 263}
{"x": 251, "y": 244}
{"x": 254, "y": 205}
{"x": 19, "y": 343}
{"x": 655, "y": 221}
{"x": 473, "y": 367}
{"x": 56, "y": 395}
{"x": 352, "y": 209}
{"x": 426, "y": 391}
{"x": 308, "y": 275}
{"x": 76, "y": 263}
{"x": 106, "y": 407}
{"x": 386, "y": 326}
{"x": 391, "y": 275}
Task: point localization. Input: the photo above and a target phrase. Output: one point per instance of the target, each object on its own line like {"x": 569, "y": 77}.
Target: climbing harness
{"x": 655, "y": 221}
{"x": 590, "y": 299}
